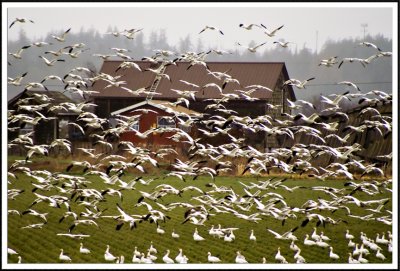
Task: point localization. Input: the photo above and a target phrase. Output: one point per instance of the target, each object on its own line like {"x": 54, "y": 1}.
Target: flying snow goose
{"x": 271, "y": 33}
{"x": 62, "y": 37}
{"x": 252, "y": 49}
{"x": 211, "y": 28}
{"x": 20, "y": 20}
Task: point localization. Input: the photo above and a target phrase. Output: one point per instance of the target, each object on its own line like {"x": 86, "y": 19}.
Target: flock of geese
{"x": 258, "y": 199}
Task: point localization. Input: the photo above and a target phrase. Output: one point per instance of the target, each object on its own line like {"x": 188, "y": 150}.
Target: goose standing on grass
{"x": 279, "y": 257}
{"x": 152, "y": 249}
{"x": 159, "y": 230}
{"x": 196, "y": 236}
{"x": 174, "y": 234}
{"x": 252, "y": 236}
{"x": 108, "y": 256}
{"x": 19, "y": 259}
{"x": 240, "y": 258}
{"x": 308, "y": 242}
{"x": 212, "y": 259}
{"x": 64, "y": 257}
{"x": 293, "y": 246}
{"x": 166, "y": 258}
{"x": 299, "y": 258}
{"x": 83, "y": 250}
{"x": 179, "y": 258}
{"x": 348, "y": 235}
{"x": 379, "y": 255}
{"x": 333, "y": 255}
{"x": 351, "y": 259}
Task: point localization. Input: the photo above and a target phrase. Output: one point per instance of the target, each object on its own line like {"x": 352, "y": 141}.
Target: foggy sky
{"x": 301, "y": 23}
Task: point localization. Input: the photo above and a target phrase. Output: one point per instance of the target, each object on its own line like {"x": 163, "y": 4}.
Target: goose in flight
{"x": 211, "y": 28}
{"x": 249, "y": 26}
{"x": 369, "y": 44}
{"x": 51, "y": 62}
{"x": 299, "y": 84}
{"x": 62, "y": 37}
{"x": 20, "y": 20}
{"x": 17, "y": 80}
{"x": 328, "y": 62}
{"x": 351, "y": 60}
{"x": 284, "y": 44}
{"x": 18, "y": 55}
{"x": 271, "y": 33}
{"x": 350, "y": 84}
{"x": 252, "y": 49}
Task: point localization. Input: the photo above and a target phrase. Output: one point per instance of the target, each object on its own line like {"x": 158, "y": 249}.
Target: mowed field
{"x": 43, "y": 245}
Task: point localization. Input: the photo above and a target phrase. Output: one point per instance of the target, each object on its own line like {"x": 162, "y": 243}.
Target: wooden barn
{"x": 269, "y": 74}
{"x": 153, "y": 114}
{"x": 45, "y": 131}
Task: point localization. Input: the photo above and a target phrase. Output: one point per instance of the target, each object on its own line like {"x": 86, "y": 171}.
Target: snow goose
{"x": 19, "y": 259}
{"x": 179, "y": 258}
{"x": 196, "y": 236}
{"x": 64, "y": 257}
{"x": 293, "y": 246}
{"x": 211, "y": 28}
{"x": 212, "y": 259}
{"x": 308, "y": 242}
{"x": 333, "y": 255}
{"x": 83, "y": 250}
{"x": 299, "y": 258}
{"x": 379, "y": 255}
{"x": 20, "y": 20}
{"x": 283, "y": 44}
{"x": 271, "y": 33}
{"x": 11, "y": 251}
{"x": 351, "y": 243}
{"x": 252, "y": 236}
{"x": 159, "y": 230}
{"x": 351, "y": 60}
{"x": 152, "y": 249}
{"x": 249, "y": 26}
{"x": 174, "y": 234}
{"x": 252, "y": 49}
{"x": 279, "y": 257}
{"x": 351, "y": 259}
{"x": 62, "y": 37}
{"x": 166, "y": 258}
{"x": 108, "y": 256}
{"x": 17, "y": 80}
{"x": 361, "y": 259}
{"x": 18, "y": 55}
{"x": 240, "y": 258}
{"x": 51, "y": 62}
{"x": 369, "y": 44}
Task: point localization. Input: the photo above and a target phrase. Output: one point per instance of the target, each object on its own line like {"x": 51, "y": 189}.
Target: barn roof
{"x": 248, "y": 73}
{"x": 163, "y": 105}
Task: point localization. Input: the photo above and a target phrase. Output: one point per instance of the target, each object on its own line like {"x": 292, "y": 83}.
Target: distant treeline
{"x": 301, "y": 62}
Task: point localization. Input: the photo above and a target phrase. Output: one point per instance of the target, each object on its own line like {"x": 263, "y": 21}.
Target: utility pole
{"x": 316, "y": 42}
{"x": 364, "y": 26}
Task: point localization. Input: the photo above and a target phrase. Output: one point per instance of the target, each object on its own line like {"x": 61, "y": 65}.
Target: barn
{"x": 46, "y": 130}
{"x": 247, "y": 75}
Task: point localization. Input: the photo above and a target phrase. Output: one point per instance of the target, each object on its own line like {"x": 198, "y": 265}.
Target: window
{"x": 165, "y": 122}
{"x": 135, "y": 125}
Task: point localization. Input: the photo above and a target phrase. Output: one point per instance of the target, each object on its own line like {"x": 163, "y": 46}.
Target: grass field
{"x": 43, "y": 245}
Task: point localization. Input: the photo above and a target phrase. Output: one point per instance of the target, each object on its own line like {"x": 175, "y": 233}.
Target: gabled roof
{"x": 248, "y": 73}
{"x": 163, "y": 105}
{"x": 57, "y": 96}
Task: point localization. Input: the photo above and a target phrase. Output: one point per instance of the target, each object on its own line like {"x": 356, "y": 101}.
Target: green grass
{"x": 43, "y": 245}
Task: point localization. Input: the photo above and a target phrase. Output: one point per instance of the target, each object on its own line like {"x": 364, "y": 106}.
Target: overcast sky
{"x": 301, "y": 21}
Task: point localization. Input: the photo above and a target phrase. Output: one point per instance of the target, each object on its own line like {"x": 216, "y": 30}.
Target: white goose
{"x": 279, "y": 257}
{"x": 333, "y": 255}
{"x": 252, "y": 49}
{"x": 20, "y": 20}
{"x": 308, "y": 242}
{"x": 196, "y": 236}
{"x": 211, "y": 28}
{"x": 159, "y": 230}
{"x": 174, "y": 235}
{"x": 299, "y": 258}
{"x": 212, "y": 259}
{"x": 166, "y": 258}
{"x": 83, "y": 250}
{"x": 179, "y": 258}
{"x": 62, "y": 37}
{"x": 379, "y": 255}
{"x": 64, "y": 257}
{"x": 108, "y": 256}
{"x": 348, "y": 235}
{"x": 152, "y": 249}
{"x": 252, "y": 236}
{"x": 240, "y": 258}
{"x": 293, "y": 246}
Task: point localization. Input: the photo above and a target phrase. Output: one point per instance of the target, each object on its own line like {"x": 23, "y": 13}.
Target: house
{"x": 46, "y": 130}
{"x": 272, "y": 75}
{"x": 155, "y": 115}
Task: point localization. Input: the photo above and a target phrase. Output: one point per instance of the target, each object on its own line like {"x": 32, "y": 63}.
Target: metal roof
{"x": 248, "y": 73}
